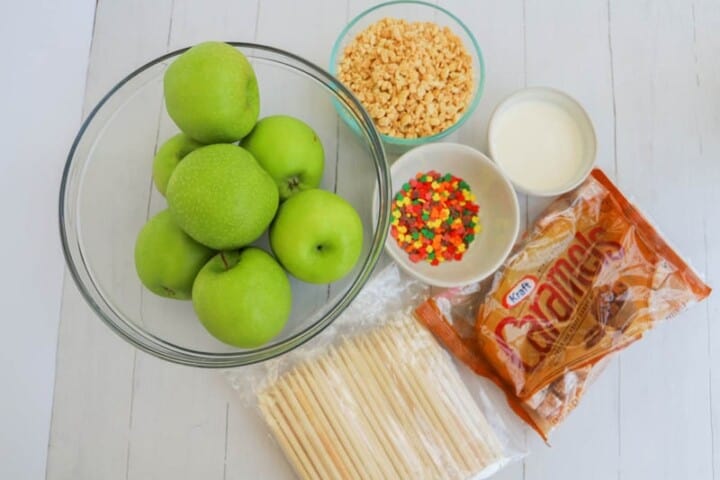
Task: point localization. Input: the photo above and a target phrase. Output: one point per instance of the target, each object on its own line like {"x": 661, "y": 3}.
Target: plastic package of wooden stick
{"x": 377, "y": 397}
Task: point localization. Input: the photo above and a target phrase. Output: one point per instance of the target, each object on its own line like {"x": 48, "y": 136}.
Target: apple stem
{"x": 224, "y": 260}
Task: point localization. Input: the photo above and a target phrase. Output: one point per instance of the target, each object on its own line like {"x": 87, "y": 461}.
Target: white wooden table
{"x": 648, "y": 74}
{"x": 42, "y": 85}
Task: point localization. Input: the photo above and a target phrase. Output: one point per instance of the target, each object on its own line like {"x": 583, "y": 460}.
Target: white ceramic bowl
{"x": 579, "y": 117}
{"x": 499, "y": 212}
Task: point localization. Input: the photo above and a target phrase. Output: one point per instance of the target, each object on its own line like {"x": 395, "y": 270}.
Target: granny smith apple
{"x": 211, "y": 93}
{"x": 289, "y": 150}
{"x": 243, "y": 298}
{"x": 167, "y": 259}
{"x": 168, "y": 156}
{"x": 221, "y": 197}
{"x": 317, "y": 236}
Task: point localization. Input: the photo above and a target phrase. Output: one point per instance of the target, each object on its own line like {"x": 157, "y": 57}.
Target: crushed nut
{"x": 415, "y": 79}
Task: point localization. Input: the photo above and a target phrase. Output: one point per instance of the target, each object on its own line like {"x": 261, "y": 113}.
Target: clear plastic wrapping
{"x": 376, "y": 396}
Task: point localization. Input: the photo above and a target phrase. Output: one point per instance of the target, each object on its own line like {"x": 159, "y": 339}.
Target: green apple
{"x": 221, "y": 197}
{"x": 168, "y": 156}
{"x": 317, "y": 236}
{"x": 289, "y": 150}
{"x": 243, "y": 298}
{"x": 211, "y": 93}
{"x": 167, "y": 259}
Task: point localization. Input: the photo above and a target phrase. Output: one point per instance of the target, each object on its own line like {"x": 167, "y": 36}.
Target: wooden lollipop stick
{"x": 455, "y": 419}
{"x": 425, "y": 391}
{"x": 334, "y": 417}
{"x": 295, "y": 416}
{"x": 283, "y": 406}
{"x": 381, "y": 450}
{"x": 395, "y": 428}
{"x": 367, "y": 389}
{"x": 474, "y": 420}
{"x": 287, "y": 439}
{"x": 284, "y": 441}
{"x": 443, "y": 418}
{"x": 376, "y": 459}
{"x": 463, "y": 394}
{"x": 437, "y": 442}
{"x": 461, "y": 420}
{"x": 340, "y": 408}
{"x": 401, "y": 407}
{"x": 330, "y": 441}
{"x": 454, "y": 385}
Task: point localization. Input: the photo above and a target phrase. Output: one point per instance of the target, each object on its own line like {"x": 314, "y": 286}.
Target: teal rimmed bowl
{"x": 413, "y": 11}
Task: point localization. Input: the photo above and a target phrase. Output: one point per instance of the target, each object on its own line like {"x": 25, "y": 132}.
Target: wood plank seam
{"x": 227, "y": 411}
{"x": 143, "y": 292}
{"x": 525, "y": 84}
{"x": 706, "y": 272}
{"x": 616, "y": 175}
{"x": 66, "y": 277}
{"x": 227, "y": 423}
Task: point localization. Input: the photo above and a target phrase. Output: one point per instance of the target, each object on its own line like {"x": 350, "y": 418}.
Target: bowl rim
{"x": 544, "y": 92}
{"x": 156, "y": 346}
{"x": 481, "y": 158}
{"x": 480, "y": 86}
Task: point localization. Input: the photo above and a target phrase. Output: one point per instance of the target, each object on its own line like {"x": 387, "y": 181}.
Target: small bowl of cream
{"x": 543, "y": 141}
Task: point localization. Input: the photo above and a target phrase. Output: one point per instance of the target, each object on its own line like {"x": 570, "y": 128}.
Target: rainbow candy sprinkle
{"x": 435, "y": 218}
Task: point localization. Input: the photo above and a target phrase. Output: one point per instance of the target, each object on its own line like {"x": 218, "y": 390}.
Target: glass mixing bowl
{"x": 107, "y": 195}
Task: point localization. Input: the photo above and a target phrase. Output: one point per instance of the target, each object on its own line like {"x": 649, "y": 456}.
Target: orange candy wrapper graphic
{"x": 588, "y": 279}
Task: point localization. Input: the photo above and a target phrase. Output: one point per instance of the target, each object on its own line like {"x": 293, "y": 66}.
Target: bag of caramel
{"x": 588, "y": 279}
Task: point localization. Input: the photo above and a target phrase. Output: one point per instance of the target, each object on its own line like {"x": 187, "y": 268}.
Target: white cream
{"x": 538, "y": 144}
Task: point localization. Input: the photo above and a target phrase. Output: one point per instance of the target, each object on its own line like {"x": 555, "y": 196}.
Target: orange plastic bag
{"x": 588, "y": 279}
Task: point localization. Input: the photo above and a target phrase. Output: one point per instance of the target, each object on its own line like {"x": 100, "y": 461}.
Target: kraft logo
{"x": 520, "y": 291}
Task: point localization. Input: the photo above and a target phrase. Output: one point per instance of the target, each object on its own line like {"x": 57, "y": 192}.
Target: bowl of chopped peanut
{"x": 414, "y": 66}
